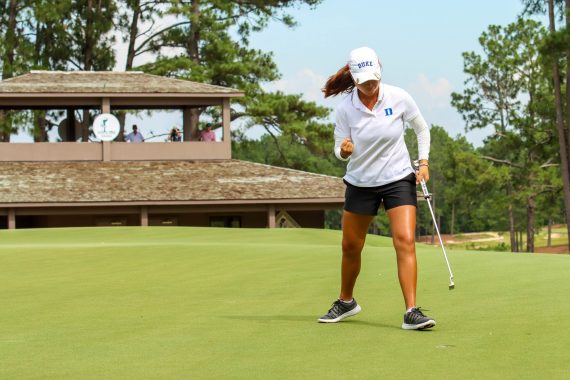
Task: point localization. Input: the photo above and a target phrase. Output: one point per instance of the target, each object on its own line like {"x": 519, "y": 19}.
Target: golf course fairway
{"x": 211, "y": 303}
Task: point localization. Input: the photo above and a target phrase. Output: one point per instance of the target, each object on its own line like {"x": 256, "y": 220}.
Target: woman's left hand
{"x": 422, "y": 173}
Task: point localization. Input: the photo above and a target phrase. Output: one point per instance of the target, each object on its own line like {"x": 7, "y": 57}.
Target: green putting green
{"x": 172, "y": 302}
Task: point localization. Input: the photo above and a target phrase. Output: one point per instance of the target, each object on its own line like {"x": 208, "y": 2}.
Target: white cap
{"x": 364, "y": 65}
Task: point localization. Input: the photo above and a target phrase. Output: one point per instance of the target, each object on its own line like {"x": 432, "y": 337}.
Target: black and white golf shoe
{"x": 416, "y": 320}
{"x": 340, "y": 310}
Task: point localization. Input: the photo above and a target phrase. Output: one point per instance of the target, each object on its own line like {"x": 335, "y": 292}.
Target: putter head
{"x": 451, "y": 284}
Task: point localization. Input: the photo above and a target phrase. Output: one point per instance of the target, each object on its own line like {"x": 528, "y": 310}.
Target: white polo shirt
{"x": 380, "y": 155}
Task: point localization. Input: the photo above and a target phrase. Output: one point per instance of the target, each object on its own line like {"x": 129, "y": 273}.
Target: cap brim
{"x": 366, "y": 76}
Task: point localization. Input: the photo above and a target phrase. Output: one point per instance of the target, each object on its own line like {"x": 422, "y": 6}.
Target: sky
{"x": 419, "y": 43}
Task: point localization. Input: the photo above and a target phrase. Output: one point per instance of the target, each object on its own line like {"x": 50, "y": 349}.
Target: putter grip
{"x": 424, "y": 189}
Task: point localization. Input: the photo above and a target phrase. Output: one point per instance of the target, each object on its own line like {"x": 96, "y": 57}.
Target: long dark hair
{"x": 341, "y": 82}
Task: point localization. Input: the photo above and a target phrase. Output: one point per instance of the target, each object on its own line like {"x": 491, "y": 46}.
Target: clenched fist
{"x": 346, "y": 147}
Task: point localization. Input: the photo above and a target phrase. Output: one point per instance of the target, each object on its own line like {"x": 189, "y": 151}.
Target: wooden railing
{"x": 114, "y": 151}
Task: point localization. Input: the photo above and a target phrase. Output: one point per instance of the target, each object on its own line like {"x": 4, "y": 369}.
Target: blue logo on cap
{"x": 365, "y": 64}
{"x": 388, "y": 111}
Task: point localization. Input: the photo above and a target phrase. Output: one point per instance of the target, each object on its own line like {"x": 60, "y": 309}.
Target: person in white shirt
{"x": 369, "y": 134}
{"x": 135, "y": 136}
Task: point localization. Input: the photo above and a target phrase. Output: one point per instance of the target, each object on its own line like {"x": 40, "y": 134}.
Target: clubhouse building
{"x": 78, "y": 182}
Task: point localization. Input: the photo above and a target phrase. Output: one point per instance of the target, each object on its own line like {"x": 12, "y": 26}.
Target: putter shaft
{"x": 427, "y": 198}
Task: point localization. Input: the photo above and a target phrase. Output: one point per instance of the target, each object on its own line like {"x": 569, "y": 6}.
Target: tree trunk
{"x": 194, "y": 132}
{"x": 70, "y": 134}
{"x": 192, "y": 47}
{"x": 530, "y": 207}
{"x": 433, "y": 208}
{"x": 40, "y": 132}
{"x": 439, "y": 226}
{"x": 5, "y": 130}
{"x": 374, "y": 228}
{"x": 562, "y": 142}
{"x": 194, "y": 53}
{"x": 89, "y": 37}
{"x": 88, "y": 62}
{"x": 3, "y": 7}
{"x": 549, "y": 238}
{"x": 85, "y": 126}
{"x": 521, "y": 241}
{"x": 131, "y": 51}
{"x": 452, "y": 219}
{"x": 10, "y": 42}
{"x": 133, "y": 31}
{"x": 566, "y": 177}
{"x": 122, "y": 119}
{"x": 432, "y": 231}
{"x": 514, "y": 246}
{"x": 567, "y": 80}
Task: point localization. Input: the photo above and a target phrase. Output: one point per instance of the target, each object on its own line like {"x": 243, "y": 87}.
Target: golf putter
{"x": 427, "y": 197}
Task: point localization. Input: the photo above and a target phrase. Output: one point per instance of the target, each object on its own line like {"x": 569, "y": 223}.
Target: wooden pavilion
{"x": 191, "y": 183}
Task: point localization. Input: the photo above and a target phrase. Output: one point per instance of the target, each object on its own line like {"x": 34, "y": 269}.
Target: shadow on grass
{"x": 373, "y": 324}
{"x": 307, "y": 319}
{"x": 272, "y": 318}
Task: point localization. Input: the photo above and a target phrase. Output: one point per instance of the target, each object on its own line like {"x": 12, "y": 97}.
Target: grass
{"x": 473, "y": 236}
{"x": 560, "y": 236}
{"x": 497, "y": 241}
{"x": 205, "y": 303}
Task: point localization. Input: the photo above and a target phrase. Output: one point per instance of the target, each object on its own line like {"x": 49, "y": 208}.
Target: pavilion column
{"x": 11, "y": 219}
{"x": 106, "y": 105}
{"x": 106, "y": 145}
{"x": 144, "y": 216}
{"x": 226, "y": 119}
{"x": 271, "y": 216}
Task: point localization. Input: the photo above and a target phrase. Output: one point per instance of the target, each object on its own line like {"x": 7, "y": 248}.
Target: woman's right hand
{"x": 346, "y": 147}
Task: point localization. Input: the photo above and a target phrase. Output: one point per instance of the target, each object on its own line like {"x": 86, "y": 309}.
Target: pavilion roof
{"x": 88, "y": 83}
{"x": 161, "y": 181}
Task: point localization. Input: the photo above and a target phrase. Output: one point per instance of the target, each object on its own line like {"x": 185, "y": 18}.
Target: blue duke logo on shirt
{"x": 388, "y": 111}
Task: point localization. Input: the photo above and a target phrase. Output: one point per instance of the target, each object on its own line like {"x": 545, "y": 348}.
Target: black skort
{"x": 367, "y": 200}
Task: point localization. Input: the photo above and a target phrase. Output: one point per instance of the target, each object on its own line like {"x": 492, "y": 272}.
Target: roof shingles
{"x": 139, "y": 181}
{"x": 108, "y": 82}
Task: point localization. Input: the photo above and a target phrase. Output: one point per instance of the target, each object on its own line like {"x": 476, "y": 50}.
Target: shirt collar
{"x": 357, "y": 103}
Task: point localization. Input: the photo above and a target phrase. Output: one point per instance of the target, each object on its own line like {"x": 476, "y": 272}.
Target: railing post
{"x": 106, "y": 145}
{"x": 144, "y": 216}
{"x": 271, "y": 216}
{"x": 11, "y": 219}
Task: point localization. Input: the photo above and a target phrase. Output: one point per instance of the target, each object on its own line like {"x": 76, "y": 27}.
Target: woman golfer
{"x": 369, "y": 134}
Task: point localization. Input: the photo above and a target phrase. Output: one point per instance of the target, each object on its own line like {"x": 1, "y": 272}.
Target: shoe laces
{"x": 418, "y": 310}
{"x": 415, "y": 316}
{"x": 336, "y": 306}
